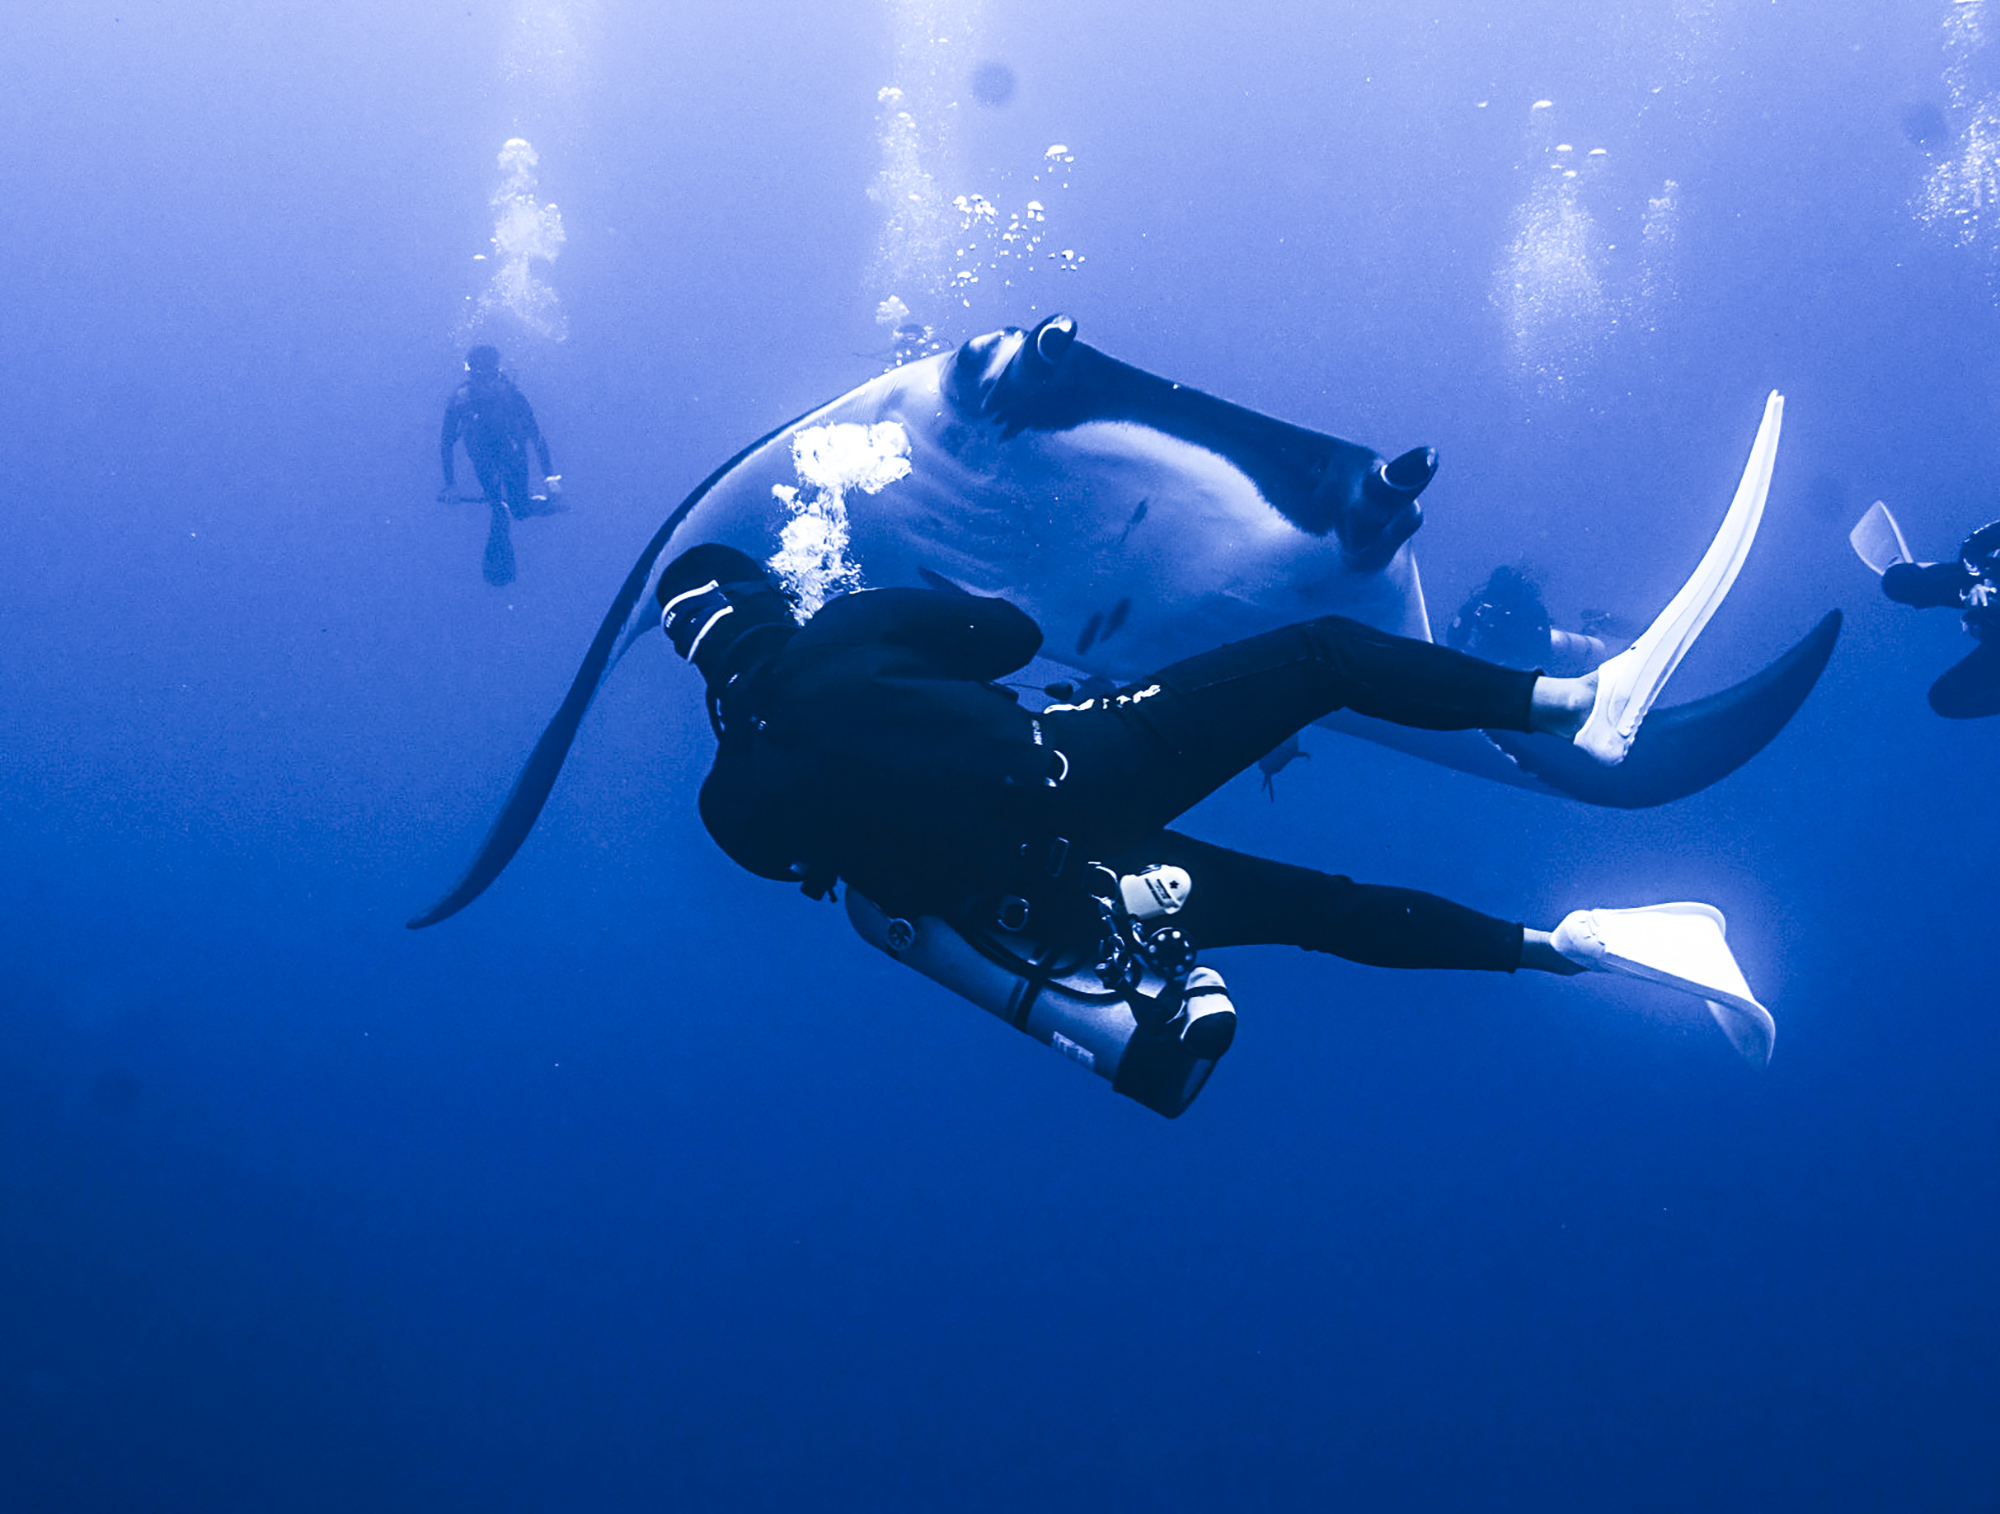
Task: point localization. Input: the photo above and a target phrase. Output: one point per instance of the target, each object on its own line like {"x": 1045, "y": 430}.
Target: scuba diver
{"x": 497, "y": 425}
{"x": 1024, "y": 858}
{"x": 1506, "y": 621}
{"x": 1970, "y": 689}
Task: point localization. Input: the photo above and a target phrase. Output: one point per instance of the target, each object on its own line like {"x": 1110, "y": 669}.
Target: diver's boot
{"x": 1678, "y": 946}
{"x": 1628, "y": 684}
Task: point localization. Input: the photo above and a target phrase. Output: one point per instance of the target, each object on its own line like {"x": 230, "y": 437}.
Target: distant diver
{"x": 1970, "y": 689}
{"x": 1506, "y": 621}
{"x": 907, "y": 342}
{"x": 496, "y": 423}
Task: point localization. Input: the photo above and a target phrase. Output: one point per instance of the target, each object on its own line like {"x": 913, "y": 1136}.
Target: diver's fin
{"x": 1628, "y": 684}
{"x": 1878, "y": 541}
{"x": 1678, "y": 946}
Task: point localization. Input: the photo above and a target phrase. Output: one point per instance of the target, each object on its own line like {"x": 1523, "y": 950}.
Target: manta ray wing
{"x": 1682, "y": 749}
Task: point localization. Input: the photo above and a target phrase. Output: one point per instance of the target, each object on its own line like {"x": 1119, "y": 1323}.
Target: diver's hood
{"x": 712, "y": 598}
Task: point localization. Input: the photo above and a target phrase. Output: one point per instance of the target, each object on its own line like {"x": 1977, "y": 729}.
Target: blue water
{"x": 643, "y": 1184}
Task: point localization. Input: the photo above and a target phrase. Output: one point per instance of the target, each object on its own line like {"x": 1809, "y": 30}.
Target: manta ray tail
{"x": 538, "y": 774}
{"x": 1683, "y": 749}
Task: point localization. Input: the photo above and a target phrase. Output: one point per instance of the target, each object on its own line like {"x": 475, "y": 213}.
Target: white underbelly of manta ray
{"x": 1109, "y": 515}
{"x": 1131, "y": 546}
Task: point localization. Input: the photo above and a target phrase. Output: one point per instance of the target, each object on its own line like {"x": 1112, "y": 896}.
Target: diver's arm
{"x": 971, "y": 636}
{"x": 1927, "y": 586}
{"x": 748, "y": 826}
{"x": 982, "y": 638}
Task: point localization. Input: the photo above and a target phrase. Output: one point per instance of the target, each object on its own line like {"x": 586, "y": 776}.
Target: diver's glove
{"x": 1678, "y": 946}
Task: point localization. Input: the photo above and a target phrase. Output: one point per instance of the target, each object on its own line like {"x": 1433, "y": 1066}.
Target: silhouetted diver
{"x": 1970, "y": 688}
{"x": 497, "y": 425}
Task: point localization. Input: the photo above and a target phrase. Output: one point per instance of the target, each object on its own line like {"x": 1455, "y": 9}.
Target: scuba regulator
{"x": 1131, "y": 1005}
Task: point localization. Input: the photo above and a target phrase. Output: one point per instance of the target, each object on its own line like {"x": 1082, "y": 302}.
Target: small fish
{"x": 1138, "y": 517}
{"x": 1280, "y": 757}
{"x": 1088, "y": 638}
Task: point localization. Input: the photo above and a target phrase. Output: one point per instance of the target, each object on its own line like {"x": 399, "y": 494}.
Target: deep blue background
{"x": 643, "y": 1184}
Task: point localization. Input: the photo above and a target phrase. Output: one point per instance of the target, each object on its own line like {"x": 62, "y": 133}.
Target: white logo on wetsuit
{"x": 1115, "y": 701}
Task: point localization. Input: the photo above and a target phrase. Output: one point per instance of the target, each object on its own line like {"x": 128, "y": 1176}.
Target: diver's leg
{"x": 491, "y": 486}
{"x": 1241, "y": 900}
{"x": 514, "y": 473}
{"x": 1927, "y": 586}
{"x": 1138, "y": 758}
{"x": 1970, "y": 688}
{"x": 499, "y": 564}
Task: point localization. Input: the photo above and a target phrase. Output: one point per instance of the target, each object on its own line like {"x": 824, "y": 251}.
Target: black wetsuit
{"x": 498, "y": 426}
{"x": 873, "y": 746}
{"x": 1970, "y": 688}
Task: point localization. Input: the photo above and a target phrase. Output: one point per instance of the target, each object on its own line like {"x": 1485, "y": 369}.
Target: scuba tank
{"x": 1130, "y": 1005}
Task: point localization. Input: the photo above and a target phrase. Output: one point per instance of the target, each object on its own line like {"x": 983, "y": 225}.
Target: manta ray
{"x": 1138, "y": 521}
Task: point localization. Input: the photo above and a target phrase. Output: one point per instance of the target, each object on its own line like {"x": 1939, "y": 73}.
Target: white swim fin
{"x": 1678, "y": 946}
{"x": 1628, "y": 684}
{"x": 1878, "y": 541}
